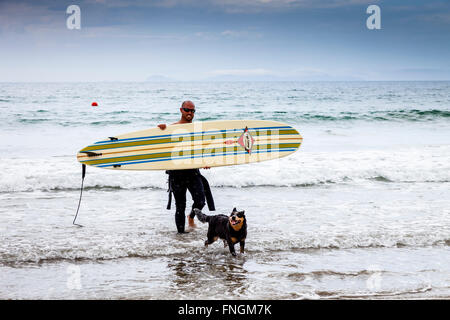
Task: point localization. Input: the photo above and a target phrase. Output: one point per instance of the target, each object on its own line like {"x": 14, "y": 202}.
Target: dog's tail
{"x": 201, "y": 216}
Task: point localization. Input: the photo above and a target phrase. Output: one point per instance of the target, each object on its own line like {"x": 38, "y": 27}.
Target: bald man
{"x": 187, "y": 114}
{"x": 190, "y": 179}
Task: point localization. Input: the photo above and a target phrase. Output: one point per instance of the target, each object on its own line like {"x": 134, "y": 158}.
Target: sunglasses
{"x": 188, "y": 110}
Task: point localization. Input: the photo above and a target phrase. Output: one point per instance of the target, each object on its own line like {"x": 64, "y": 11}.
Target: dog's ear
{"x": 234, "y": 209}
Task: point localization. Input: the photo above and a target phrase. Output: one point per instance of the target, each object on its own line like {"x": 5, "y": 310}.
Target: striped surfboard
{"x": 194, "y": 145}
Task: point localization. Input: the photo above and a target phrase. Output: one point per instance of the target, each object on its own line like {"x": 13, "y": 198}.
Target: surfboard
{"x": 194, "y": 145}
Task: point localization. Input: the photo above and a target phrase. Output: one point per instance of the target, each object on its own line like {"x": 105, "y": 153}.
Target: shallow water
{"x": 319, "y": 242}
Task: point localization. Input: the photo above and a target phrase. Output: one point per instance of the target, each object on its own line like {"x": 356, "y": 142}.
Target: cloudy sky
{"x": 224, "y": 40}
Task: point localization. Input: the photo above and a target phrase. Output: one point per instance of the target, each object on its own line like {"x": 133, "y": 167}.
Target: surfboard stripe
{"x": 195, "y": 136}
{"x": 229, "y": 141}
{"x": 186, "y": 138}
{"x": 174, "y": 146}
{"x": 193, "y": 157}
{"x": 176, "y": 154}
{"x": 190, "y": 133}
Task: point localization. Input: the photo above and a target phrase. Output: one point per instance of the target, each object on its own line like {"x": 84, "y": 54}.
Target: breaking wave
{"x": 302, "y": 170}
{"x": 141, "y": 245}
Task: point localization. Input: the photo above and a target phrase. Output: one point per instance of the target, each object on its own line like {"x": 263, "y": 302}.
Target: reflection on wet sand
{"x": 208, "y": 274}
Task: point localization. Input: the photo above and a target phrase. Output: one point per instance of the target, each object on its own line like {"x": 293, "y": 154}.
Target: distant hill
{"x": 232, "y": 78}
{"x": 269, "y": 78}
{"x": 263, "y": 77}
{"x": 159, "y": 78}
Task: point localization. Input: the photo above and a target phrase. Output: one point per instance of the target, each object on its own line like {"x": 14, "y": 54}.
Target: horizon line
{"x": 218, "y": 81}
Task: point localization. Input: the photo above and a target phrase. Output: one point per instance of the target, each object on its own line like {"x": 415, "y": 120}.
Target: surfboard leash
{"x": 83, "y": 174}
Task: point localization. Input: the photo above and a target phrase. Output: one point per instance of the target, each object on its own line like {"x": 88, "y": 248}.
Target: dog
{"x": 231, "y": 229}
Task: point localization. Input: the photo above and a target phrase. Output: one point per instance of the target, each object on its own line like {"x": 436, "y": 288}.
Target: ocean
{"x": 360, "y": 211}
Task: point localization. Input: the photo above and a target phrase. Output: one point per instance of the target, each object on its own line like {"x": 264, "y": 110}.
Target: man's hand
{"x": 162, "y": 126}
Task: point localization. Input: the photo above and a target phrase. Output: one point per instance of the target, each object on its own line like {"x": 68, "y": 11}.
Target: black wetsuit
{"x": 179, "y": 182}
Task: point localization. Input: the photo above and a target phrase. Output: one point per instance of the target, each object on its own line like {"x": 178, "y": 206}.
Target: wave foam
{"x": 108, "y": 247}
{"x": 302, "y": 169}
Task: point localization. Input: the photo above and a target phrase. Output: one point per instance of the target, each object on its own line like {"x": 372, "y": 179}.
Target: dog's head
{"x": 237, "y": 219}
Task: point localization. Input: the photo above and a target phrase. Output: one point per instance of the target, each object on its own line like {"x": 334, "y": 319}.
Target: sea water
{"x": 361, "y": 210}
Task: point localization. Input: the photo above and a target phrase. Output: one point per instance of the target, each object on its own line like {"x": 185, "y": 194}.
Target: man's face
{"x": 187, "y": 111}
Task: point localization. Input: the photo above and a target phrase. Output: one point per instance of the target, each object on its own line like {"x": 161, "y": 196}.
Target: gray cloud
{"x": 234, "y": 6}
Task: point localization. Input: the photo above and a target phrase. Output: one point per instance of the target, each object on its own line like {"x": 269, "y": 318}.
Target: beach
{"x": 360, "y": 211}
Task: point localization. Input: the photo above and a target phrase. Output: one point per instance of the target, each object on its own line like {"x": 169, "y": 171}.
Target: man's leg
{"x": 195, "y": 187}
{"x": 179, "y": 193}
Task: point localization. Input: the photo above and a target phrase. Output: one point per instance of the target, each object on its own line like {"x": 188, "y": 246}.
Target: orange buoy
{"x": 94, "y": 104}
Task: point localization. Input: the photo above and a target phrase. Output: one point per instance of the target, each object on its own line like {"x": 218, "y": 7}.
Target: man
{"x": 190, "y": 179}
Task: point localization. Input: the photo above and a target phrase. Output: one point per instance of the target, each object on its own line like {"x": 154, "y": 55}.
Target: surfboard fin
{"x": 91, "y": 153}
{"x": 113, "y": 138}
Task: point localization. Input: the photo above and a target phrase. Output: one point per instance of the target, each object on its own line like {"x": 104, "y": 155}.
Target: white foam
{"x": 102, "y": 245}
{"x": 425, "y": 164}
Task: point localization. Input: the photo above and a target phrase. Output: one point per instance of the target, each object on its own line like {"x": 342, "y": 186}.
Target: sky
{"x": 216, "y": 40}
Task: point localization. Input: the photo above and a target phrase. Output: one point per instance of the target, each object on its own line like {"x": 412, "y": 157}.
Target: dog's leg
{"x": 231, "y": 246}
{"x": 242, "y": 245}
{"x": 210, "y": 240}
{"x": 225, "y": 243}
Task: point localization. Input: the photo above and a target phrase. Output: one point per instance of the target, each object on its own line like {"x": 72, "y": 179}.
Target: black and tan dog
{"x": 232, "y": 229}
